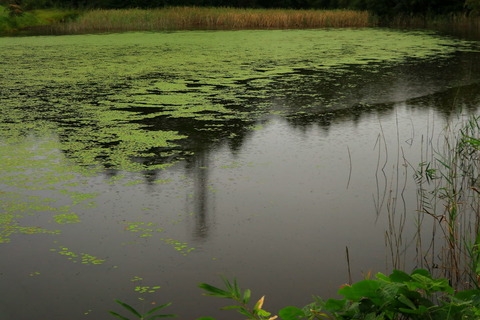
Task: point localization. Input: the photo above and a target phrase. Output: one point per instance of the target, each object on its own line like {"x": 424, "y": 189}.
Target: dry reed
{"x": 188, "y": 18}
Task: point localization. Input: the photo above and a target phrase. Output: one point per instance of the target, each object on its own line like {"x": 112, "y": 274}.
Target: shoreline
{"x": 65, "y": 22}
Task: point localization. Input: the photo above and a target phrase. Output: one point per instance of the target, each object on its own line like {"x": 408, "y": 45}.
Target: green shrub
{"x": 10, "y": 22}
{"x": 414, "y": 296}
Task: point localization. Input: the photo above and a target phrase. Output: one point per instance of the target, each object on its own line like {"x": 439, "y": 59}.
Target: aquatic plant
{"x": 149, "y": 315}
{"x": 448, "y": 192}
{"x": 447, "y": 217}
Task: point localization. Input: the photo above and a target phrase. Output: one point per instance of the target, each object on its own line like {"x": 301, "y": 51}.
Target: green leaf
{"x": 214, "y": 291}
{"x": 231, "y": 307}
{"x": 262, "y": 313}
{"x": 473, "y": 141}
{"x": 420, "y": 310}
{"x": 118, "y": 316}
{"x": 291, "y": 313}
{"x": 383, "y": 277}
{"x": 162, "y": 316}
{"x": 245, "y": 312}
{"x": 335, "y": 305}
{"x": 423, "y": 273}
{"x": 361, "y": 289}
{"x": 246, "y": 296}
{"x": 156, "y": 308}
{"x": 236, "y": 289}
{"x": 400, "y": 276}
{"x": 467, "y": 295}
{"x": 129, "y": 308}
{"x": 406, "y": 301}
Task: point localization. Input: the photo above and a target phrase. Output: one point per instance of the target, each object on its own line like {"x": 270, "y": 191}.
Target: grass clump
{"x": 449, "y": 193}
{"x": 447, "y": 218}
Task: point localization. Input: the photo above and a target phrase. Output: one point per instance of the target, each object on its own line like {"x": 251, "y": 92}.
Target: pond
{"x": 135, "y": 166}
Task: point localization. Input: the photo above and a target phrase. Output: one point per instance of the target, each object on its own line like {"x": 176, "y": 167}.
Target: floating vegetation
{"x": 83, "y": 258}
{"x": 66, "y": 218}
{"x": 146, "y": 289}
{"x": 140, "y": 101}
{"x": 143, "y": 289}
{"x": 37, "y": 181}
{"x": 181, "y": 247}
{"x": 145, "y": 230}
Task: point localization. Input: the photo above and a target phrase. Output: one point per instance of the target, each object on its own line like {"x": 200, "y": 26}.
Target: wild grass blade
{"x": 129, "y": 308}
{"x": 162, "y": 316}
{"x": 214, "y": 291}
{"x": 118, "y": 316}
{"x": 156, "y": 309}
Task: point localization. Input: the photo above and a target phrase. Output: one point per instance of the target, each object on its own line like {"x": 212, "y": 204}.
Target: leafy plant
{"x": 149, "y": 315}
{"x": 233, "y": 292}
{"x": 414, "y": 296}
{"x": 398, "y": 296}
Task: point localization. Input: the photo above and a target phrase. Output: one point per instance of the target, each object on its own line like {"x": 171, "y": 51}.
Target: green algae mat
{"x": 113, "y": 98}
{"x": 72, "y": 106}
{"x": 75, "y": 106}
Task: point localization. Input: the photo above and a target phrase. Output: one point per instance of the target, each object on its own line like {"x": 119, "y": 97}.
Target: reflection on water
{"x": 269, "y": 185}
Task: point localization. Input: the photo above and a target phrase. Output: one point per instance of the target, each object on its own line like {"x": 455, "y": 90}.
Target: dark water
{"x": 273, "y": 200}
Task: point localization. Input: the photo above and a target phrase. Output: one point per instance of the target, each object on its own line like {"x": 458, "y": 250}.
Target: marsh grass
{"x": 447, "y": 238}
{"x": 188, "y": 18}
{"x": 448, "y": 193}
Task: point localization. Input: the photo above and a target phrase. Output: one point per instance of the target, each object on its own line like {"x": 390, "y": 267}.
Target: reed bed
{"x": 448, "y": 192}
{"x": 189, "y": 18}
{"x": 458, "y": 23}
{"x": 447, "y": 219}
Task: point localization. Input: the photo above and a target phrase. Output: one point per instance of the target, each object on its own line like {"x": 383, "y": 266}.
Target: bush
{"x": 412, "y": 296}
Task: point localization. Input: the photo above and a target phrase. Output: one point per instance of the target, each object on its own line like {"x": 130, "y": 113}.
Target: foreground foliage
{"x": 400, "y": 295}
{"x": 149, "y": 315}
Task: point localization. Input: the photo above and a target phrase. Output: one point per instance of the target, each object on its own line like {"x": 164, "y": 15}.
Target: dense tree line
{"x": 380, "y": 7}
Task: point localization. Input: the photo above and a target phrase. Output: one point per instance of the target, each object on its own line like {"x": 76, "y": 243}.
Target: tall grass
{"x": 447, "y": 237}
{"x": 448, "y": 192}
{"x": 185, "y": 18}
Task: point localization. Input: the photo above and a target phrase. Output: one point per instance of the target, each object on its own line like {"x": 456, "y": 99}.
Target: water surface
{"x": 143, "y": 160}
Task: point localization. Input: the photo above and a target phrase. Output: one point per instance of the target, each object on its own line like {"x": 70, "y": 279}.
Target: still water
{"x": 136, "y": 166}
